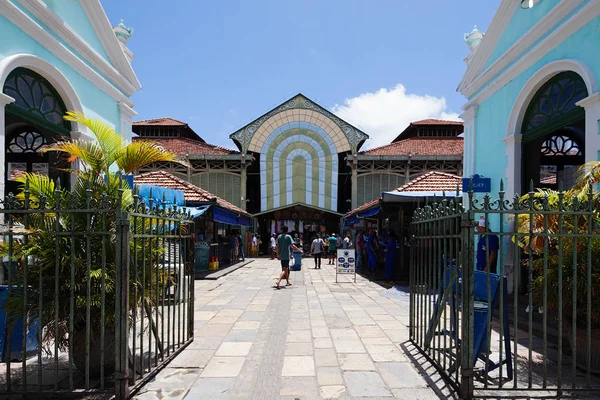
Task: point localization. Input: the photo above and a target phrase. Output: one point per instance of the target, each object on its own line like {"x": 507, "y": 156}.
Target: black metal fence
{"x": 98, "y": 291}
{"x": 505, "y": 293}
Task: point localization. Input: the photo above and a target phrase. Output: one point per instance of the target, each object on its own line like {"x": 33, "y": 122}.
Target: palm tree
{"x": 66, "y": 274}
{"x": 588, "y": 173}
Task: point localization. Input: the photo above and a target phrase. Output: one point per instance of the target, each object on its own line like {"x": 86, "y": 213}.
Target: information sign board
{"x": 345, "y": 263}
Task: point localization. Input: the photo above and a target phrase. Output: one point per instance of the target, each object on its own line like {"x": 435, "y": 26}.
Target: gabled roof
{"x": 191, "y": 193}
{"x": 442, "y": 146}
{"x": 243, "y": 136}
{"x": 433, "y": 181}
{"x": 412, "y": 128}
{"x": 186, "y": 146}
{"x": 162, "y": 121}
{"x": 188, "y": 132}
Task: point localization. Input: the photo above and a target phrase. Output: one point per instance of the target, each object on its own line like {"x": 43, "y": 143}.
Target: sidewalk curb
{"x": 214, "y": 275}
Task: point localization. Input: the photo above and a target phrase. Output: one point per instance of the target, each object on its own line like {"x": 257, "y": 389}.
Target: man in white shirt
{"x": 316, "y": 249}
{"x": 273, "y": 247}
{"x": 346, "y": 244}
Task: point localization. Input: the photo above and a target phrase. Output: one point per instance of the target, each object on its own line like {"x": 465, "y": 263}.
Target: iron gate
{"x": 527, "y": 325}
{"x": 99, "y": 292}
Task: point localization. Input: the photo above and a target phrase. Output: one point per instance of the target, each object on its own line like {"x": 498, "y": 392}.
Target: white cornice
{"x": 126, "y": 111}
{"x": 590, "y": 101}
{"x": 103, "y": 28}
{"x": 470, "y": 86}
{"x": 469, "y": 114}
{"x": 477, "y": 59}
{"x": 568, "y": 28}
{"x": 5, "y": 99}
{"x": 41, "y": 11}
{"x": 39, "y": 34}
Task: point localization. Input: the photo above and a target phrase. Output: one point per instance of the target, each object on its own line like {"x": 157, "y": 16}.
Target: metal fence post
{"x": 122, "y": 307}
{"x": 467, "y": 328}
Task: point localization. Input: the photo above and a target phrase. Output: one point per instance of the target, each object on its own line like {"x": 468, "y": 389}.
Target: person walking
{"x": 235, "y": 248}
{"x": 317, "y": 248}
{"x": 487, "y": 248}
{"x": 332, "y": 249}
{"x": 241, "y": 244}
{"x": 359, "y": 242}
{"x": 285, "y": 246}
{"x": 273, "y": 247}
{"x": 255, "y": 245}
{"x": 347, "y": 243}
{"x": 390, "y": 256}
{"x": 372, "y": 247}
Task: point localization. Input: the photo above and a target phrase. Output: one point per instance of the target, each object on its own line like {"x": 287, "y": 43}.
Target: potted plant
{"x": 557, "y": 256}
{"x": 61, "y": 268}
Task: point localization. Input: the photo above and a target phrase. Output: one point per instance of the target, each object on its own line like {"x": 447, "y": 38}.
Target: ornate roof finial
{"x": 474, "y": 38}
{"x": 122, "y": 32}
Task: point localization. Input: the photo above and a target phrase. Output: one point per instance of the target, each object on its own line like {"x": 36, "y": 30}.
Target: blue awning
{"x": 230, "y": 218}
{"x": 353, "y": 220}
{"x": 158, "y": 193}
{"x": 369, "y": 213}
{"x": 195, "y": 212}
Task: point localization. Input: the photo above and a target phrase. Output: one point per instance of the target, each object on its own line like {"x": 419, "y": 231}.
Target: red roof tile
{"x": 436, "y": 122}
{"x": 191, "y": 193}
{"x": 183, "y": 146}
{"x": 163, "y": 121}
{"x": 452, "y": 146}
{"x": 433, "y": 181}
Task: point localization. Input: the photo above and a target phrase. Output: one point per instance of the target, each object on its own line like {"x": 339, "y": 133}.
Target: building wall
{"x": 491, "y": 124}
{"x": 95, "y": 102}
{"x": 370, "y": 186}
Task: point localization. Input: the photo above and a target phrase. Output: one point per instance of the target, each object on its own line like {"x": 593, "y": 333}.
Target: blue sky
{"x": 218, "y": 65}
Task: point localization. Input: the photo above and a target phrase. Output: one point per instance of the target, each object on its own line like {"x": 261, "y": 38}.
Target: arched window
{"x": 26, "y": 142}
{"x": 554, "y": 105}
{"x": 560, "y": 145}
{"x": 35, "y": 95}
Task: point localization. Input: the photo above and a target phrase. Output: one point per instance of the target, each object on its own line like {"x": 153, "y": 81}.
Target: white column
{"x": 126, "y": 114}
{"x": 513, "y": 165}
{"x": 591, "y": 104}
{"x": 4, "y": 100}
{"x": 469, "y": 118}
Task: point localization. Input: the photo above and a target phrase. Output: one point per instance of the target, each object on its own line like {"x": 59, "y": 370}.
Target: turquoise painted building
{"x": 57, "y": 56}
{"x": 533, "y": 107}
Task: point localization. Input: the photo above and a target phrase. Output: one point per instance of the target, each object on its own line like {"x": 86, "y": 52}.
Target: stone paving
{"x": 316, "y": 339}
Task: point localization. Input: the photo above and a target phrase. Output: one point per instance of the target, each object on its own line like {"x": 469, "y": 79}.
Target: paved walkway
{"x": 315, "y": 339}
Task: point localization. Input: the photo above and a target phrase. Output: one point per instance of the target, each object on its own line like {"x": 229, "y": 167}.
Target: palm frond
{"x": 90, "y": 152}
{"x": 588, "y": 173}
{"x": 142, "y": 152}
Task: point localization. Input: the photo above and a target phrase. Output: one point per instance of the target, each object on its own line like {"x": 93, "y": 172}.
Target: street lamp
{"x": 526, "y": 4}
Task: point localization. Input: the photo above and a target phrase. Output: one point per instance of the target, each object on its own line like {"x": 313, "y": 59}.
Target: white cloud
{"x": 387, "y": 112}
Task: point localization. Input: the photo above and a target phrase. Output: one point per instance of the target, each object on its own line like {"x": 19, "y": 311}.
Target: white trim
{"x": 568, "y": 28}
{"x": 112, "y": 45}
{"x": 33, "y": 29}
{"x": 126, "y": 115}
{"x": 42, "y": 12}
{"x": 5, "y": 99}
{"x": 513, "y": 165}
{"x": 49, "y": 72}
{"x": 475, "y": 81}
{"x": 477, "y": 59}
{"x": 590, "y": 101}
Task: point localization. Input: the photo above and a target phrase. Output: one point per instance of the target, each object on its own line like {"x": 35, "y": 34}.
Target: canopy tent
{"x": 228, "y": 217}
{"x": 369, "y": 213}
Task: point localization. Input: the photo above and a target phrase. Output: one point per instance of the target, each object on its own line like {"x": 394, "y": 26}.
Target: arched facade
{"x": 299, "y": 147}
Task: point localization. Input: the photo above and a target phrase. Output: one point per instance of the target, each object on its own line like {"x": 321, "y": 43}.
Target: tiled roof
{"x": 451, "y": 146}
{"x": 191, "y": 193}
{"x": 433, "y": 181}
{"x": 183, "y": 146}
{"x": 364, "y": 207}
{"x": 436, "y": 122}
{"x": 164, "y": 121}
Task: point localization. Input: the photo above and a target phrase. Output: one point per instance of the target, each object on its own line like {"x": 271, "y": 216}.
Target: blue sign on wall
{"x": 480, "y": 184}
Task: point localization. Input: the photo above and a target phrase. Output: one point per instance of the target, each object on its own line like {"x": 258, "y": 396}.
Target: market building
{"x": 532, "y": 88}
{"x": 215, "y": 219}
{"x": 58, "y": 57}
